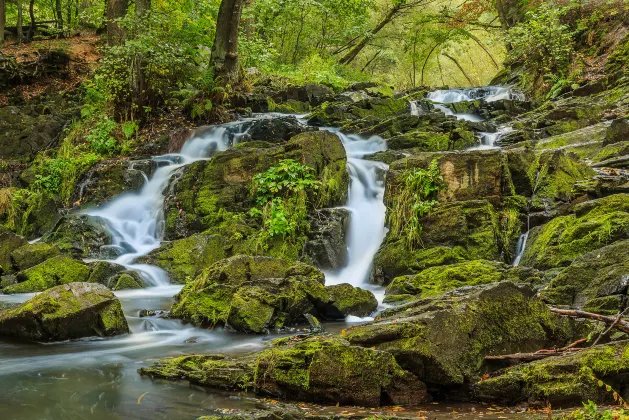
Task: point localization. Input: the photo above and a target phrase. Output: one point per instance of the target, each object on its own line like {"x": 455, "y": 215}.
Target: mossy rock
{"x": 81, "y": 235}
{"x": 275, "y": 130}
{"x": 30, "y": 255}
{"x": 210, "y": 193}
{"x": 251, "y": 294}
{"x": 437, "y": 280}
{"x": 9, "y": 242}
{"x": 444, "y": 340}
{"x": 184, "y": 259}
{"x": 323, "y": 369}
{"x": 593, "y": 225}
{"x": 66, "y": 312}
{"x": 127, "y": 280}
{"x": 53, "y": 272}
{"x": 597, "y": 279}
{"x": 563, "y": 381}
{"x": 346, "y": 299}
{"x": 326, "y": 246}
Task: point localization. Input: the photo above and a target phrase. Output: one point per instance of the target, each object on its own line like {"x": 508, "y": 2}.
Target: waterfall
{"x": 522, "y": 240}
{"x": 488, "y": 140}
{"x": 366, "y": 205}
{"x": 414, "y": 109}
{"x": 136, "y": 220}
{"x": 487, "y": 93}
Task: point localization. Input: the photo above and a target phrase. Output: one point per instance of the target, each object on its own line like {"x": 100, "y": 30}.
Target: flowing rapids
{"x": 97, "y": 378}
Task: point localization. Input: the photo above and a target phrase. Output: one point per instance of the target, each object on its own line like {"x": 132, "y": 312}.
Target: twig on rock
{"x": 614, "y": 322}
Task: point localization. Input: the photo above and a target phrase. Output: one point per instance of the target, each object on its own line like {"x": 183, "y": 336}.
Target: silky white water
{"x": 486, "y": 93}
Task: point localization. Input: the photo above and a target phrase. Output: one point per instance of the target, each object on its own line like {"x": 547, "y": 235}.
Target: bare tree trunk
{"x": 31, "y": 13}
{"x": 116, "y": 9}
{"x": 225, "y": 49}
{"x": 141, "y": 7}
{"x": 20, "y": 23}
{"x": 3, "y": 19}
{"x": 59, "y": 14}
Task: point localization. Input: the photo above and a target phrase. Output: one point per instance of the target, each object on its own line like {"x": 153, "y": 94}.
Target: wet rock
{"x": 108, "y": 179}
{"x": 598, "y": 280}
{"x": 593, "y": 225}
{"x": 254, "y": 294}
{"x": 55, "y": 271}
{"x": 208, "y": 193}
{"x": 80, "y": 235}
{"x": 315, "y": 326}
{"x": 9, "y": 242}
{"x": 275, "y": 130}
{"x": 321, "y": 370}
{"x": 444, "y": 340}
{"x": 361, "y": 106}
{"x": 127, "y": 280}
{"x": 346, "y": 299}
{"x": 151, "y": 312}
{"x": 617, "y": 132}
{"x": 66, "y": 312}
{"x": 326, "y": 247}
{"x": 30, "y": 255}
{"x": 563, "y": 381}
{"x": 437, "y": 280}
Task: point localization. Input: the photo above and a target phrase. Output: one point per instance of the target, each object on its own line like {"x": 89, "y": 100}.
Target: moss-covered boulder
{"x": 324, "y": 369}
{"x": 597, "y": 281}
{"x": 444, "y": 340}
{"x": 255, "y": 294}
{"x": 210, "y": 193}
{"x": 451, "y": 233}
{"x": 9, "y": 242}
{"x": 346, "y": 299}
{"x": 592, "y": 225}
{"x": 30, "y": 255}
{"x": 275, "y": 130}
{"x": 563, "y": 381}
{"x": 66, "y": 312}
{"x": 437, "y": 280}
{"x": 184, "y": 259}
{"x": 80, "y": 234}
{"x": 127, "y": 280}
{"x": 55, "y": 271}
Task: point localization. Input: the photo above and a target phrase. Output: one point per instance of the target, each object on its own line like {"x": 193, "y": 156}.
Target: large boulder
{"x": 596, "y": 281}
{"x": 66, "y": 312}
{"x": 30, "y": 255}
{"x": 592, "y": 225}
{"x": 210, "y": 192}
{"x": 55, "y": 271}
{"x": 80, "y": 234}
{"x": 324, "y": 369}
{"x": 444, "y": 340}
{"x": 254, "y": 294}
{"x": 345, "y": 299}
{"x": 562, "y": 381}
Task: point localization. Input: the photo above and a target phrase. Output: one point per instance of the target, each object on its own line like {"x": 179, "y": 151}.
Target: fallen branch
{"x": 615, "y": 322}
{"x": 540, "y": 354}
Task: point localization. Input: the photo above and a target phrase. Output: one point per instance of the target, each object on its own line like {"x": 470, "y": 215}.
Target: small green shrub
{"x": 284, "y": 180}
{"x": 101, "y": 140}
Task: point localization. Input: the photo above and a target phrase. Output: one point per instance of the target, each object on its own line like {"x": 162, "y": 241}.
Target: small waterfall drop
{"x": 522, "y": 240}
{"x": 366, "y": 204}
{"x": 488, "y": 140}
{"x": 136, "y": 220}
{"x": 414, "y": 109}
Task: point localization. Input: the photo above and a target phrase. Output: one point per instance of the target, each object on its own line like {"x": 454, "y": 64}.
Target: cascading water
{"x": 486, "y": 93}
{"x": 367, "y": 230}
{"x": 521, "y": 246}
{"x": 488, "y": 140}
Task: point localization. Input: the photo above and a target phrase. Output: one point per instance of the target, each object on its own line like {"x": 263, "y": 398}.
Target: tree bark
{"x": 3, "y": 19}
{"x": 454, "y": 60}
{"x": 31, "y": 14}
{"x": 20, "y": 23}
{"x": 59, "y": 14}
{"x": 142, "y": 7}
{"x": 224, "y": 57}
{"x": 116, "y": 9}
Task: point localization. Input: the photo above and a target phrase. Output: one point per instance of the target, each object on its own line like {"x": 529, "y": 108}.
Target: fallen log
{"x": 614, "y": 321}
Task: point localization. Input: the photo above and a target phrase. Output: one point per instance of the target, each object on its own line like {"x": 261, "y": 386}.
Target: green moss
{"x": 30, "y": 255}
{"x": 127, "y": 281}
{"x": 53, "y": 272}
{"x": 249, "y": 314}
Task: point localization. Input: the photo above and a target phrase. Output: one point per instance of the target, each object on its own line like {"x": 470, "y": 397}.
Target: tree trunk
{"x": 20, "y": 23}
{"x": 225, "y": 49}
{"x": 3, "y": 18}
{"x": 116, "y": 9}
{"x": 31, "y": 13}
{"x": 353, "y": 53}
{"x": 142, "y": 7}
{"x": 59, "y": 14}
{"x": 454, "y": 60}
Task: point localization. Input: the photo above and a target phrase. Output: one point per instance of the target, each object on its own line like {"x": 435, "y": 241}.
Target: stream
{"x": 96, "y": 378}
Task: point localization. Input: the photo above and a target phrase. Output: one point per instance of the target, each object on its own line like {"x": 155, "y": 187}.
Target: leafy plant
{"x": 284, "y": 180}
{"x": 415, "y": 199}
{"x": 101, "y": 139}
